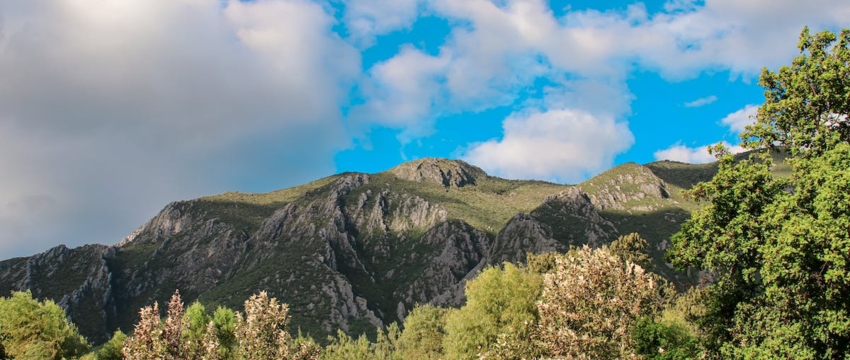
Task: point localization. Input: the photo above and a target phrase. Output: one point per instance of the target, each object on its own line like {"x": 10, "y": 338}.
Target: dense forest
{"x": 773, "y": 253}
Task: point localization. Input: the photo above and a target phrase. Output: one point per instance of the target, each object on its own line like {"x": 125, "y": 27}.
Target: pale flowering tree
{"x": 262, "y": 332}
{"x": 154, "y": 338}
{"x": 590, "y": 302}
{"x": 209, "y": 346}
{"x": 146, "y": 342}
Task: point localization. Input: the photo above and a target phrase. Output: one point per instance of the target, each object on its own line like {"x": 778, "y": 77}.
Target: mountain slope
{"x": 350, "y": 251}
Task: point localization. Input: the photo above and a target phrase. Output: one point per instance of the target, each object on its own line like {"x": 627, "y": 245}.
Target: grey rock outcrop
{"x": 449, "y": 173}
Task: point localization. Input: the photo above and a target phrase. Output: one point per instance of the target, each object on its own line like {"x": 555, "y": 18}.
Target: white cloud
{"x": 559, "y": 145}
{"x": 498, "y": 48}
{"x": 692, "y": 155}
{"x": 111, "y": 109}
{"x": 701, "y": 101}
{"x": 366, "y": 19}
{"x": 738, "y": 120}
{"x": 405, "y": 92}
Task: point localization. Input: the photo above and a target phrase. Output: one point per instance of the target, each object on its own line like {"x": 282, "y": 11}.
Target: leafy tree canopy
{"x": 779, "y": 249}
{"x": 499, "y": 301}
{"x": 31, "y": 329}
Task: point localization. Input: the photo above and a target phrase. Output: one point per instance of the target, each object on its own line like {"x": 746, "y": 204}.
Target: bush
{"x": 154, "y": 338}
{"x": 422, "y": 338}
{"x": 224, "y": 321}
{"x": 498, "y": 302}
{"x": 262, "y": 332}
{"x": 591, "y": 301}
{"x": 37, "y": 330}
{"x": 661, "y": 341}
{"x": 113, "y": 349}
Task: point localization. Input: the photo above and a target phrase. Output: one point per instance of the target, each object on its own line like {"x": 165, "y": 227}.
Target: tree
{"x": 32, "y": 329}
{"x": 224, "y": 321}
{"x": 498, "y": 301}
{"x": 3, "y": 355}
{"x": 197, "y": 321}
{"x": 113, "y": 349}
{"x": 590, "y": 302}
{"x": 806, "y": 105}
{"x": 779, "y": 248}
{"x": 422, "y": 338}
{"x": 262, "y": 332}
{"x": 632, "y": 248}
{"x": 154, "y": 338}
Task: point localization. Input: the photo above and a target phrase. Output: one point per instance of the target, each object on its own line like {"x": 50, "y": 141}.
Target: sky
{"x": 110, "y": 109}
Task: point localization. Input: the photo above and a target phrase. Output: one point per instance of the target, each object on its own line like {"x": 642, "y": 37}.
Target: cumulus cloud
{"x": 108, "y": 110}
{"x": 366, "y": 19}
{"x": 404, "y": 92}
{"x": 701, "y": 101}
{"x": 498, "y": 48}
{"x": 128, "y": 104}
{"x": 692, "y": 155}
{"x": 559, "y": 145}
{"x": 738, "y": 120}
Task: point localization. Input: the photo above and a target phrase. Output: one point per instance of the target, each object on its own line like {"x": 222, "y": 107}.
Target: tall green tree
{"x": 498, "y": 301}
{"x": 422, "y": 338}
{"x": 32, "y": 329}
{"x": 224, "y": 321}
{"x": 779, "y": 248}
{"x": 113, "y": 349}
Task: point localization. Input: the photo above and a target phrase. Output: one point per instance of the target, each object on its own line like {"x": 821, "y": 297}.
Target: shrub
{"x": 663, "y": 341}
{"x": 498, "y": 302}
{"x": 262, "y": 332}
{"x": 422, "y": 338}
{"x": 224, "y": 321}
{"x": 154, "y": 338}
{"x": 37, "y": 330}
{"x": 113, "y": 349}
{"x": 591, "y": 301}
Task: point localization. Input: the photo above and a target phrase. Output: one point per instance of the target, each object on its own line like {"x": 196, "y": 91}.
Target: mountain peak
{"x": 446, "y": 172}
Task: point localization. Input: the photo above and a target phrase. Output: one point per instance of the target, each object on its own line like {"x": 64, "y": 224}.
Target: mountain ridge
{"x": 350, "y": 251}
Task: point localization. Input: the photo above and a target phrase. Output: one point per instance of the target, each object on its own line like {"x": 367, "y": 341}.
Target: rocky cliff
{"x": 350, "y": 251}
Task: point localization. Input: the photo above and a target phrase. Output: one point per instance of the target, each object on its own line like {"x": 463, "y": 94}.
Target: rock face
{"x": 349, "y": 252}
{"x": 623, "y": 187}
{"x": 449, "y": 173}
{"x": 78, "y": 280}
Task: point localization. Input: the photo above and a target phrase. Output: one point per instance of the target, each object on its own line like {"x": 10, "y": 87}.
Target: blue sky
{"x": 111, "y": 109}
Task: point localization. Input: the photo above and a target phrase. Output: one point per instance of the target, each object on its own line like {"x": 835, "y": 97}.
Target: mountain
{"x": 353, "y": 251}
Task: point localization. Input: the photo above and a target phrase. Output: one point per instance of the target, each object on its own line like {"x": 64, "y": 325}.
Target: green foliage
{"x": 805, "y": 102}
{"x": 113, "y": 349}
{"x": 659, "y": 341}
{"x": 498, "y": 301}
{"x": 224, "y": 321}
{"x": 344, "y": 347}
{"x": 542, "y": 263}
{"x": 422, "y": 338}
{"x": 3, "y": 339}
{"x": 632, "y": 248}
{"x": 673, "y": 334}
{"x": 780, "y": 247}
{"x": 197, "y": 320}
{"x": 31, "y": 329}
